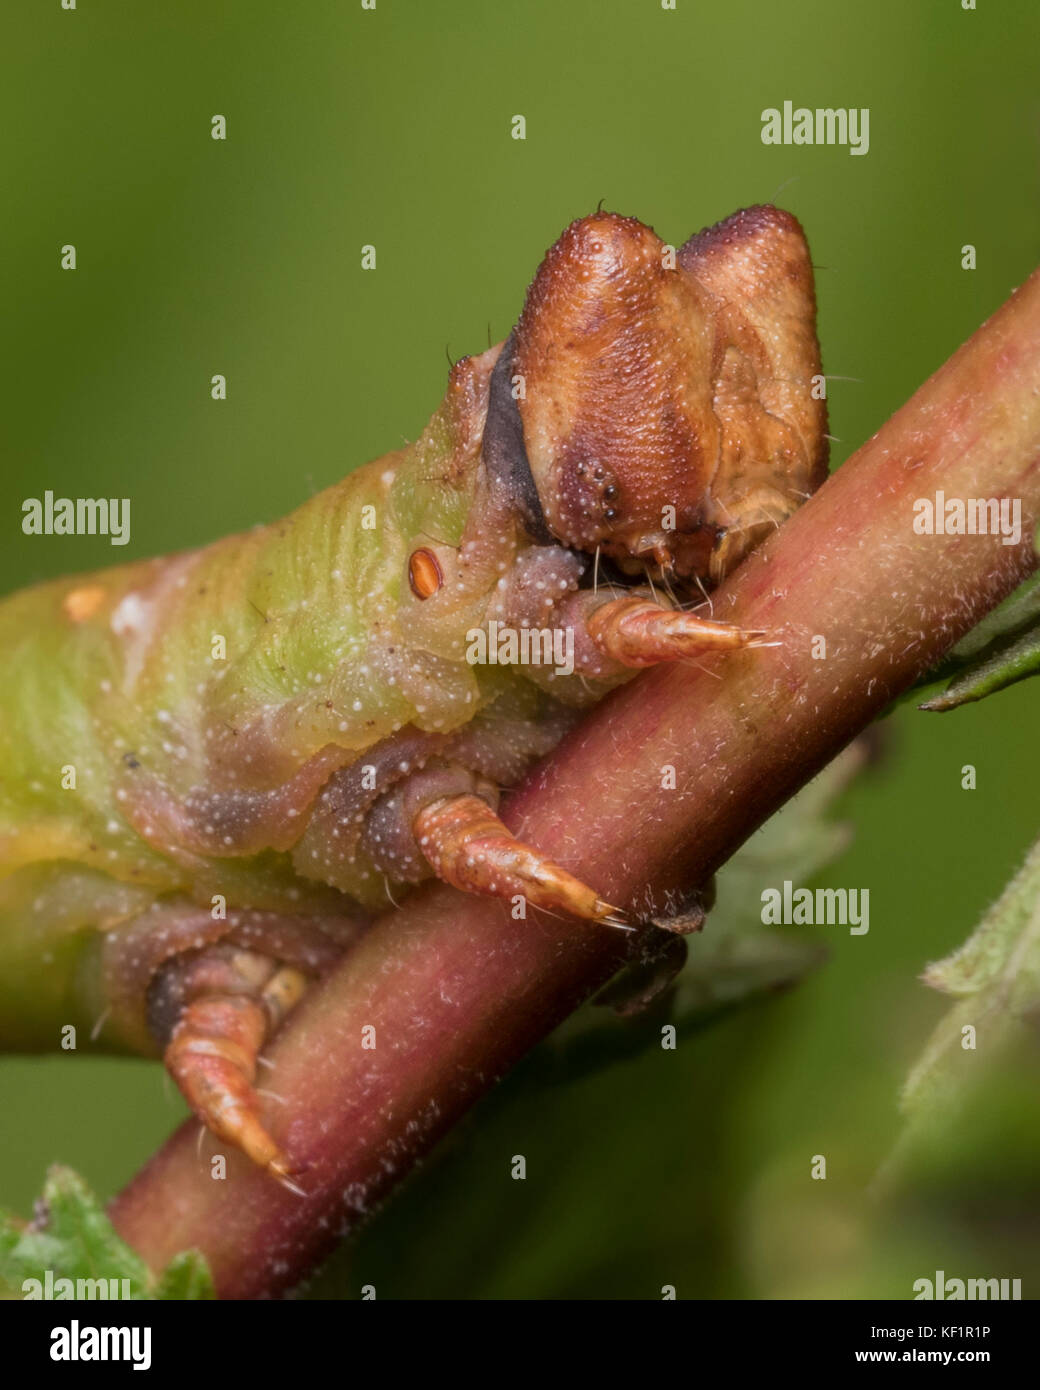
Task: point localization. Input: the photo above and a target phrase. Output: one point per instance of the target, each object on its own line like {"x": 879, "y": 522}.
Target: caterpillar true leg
{"x": 612, "y": 629}
{"x": 432, "y": 814}
{"x": 469, "y": 847}
{"x": 208, "y": 992}
{"x": 217, "y": 1008}
{"x": 640, "y": 632}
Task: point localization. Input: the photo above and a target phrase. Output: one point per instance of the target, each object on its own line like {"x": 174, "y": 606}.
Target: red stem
{"x": 456, "y": 990}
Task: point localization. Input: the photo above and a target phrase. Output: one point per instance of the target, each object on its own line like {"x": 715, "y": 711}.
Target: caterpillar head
{"x": 669, "y": 399}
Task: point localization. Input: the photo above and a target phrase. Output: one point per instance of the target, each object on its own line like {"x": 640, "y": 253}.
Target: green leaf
{"x": 71, "y": 1238}
{"x": 186, "y": 1277}
{"x": 1008, "y": 662}
{"x": 995, "y": 976}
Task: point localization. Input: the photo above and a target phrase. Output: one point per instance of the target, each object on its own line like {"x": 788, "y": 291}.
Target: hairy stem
{"x": 456, "y": 990}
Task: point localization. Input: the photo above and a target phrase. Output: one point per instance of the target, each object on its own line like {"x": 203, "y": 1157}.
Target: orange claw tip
{"x": 611, "y": 916}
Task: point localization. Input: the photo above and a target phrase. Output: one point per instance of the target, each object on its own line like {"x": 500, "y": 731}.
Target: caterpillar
{"x": 218, "y": 765}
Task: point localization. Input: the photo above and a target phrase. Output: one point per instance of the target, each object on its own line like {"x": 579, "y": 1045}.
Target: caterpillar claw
{"x": 639, "y": 632}
{"x": 468, "y": 846}
{"x": 212, "y": 1007}
{"x": 291, "y": 1186}
{"x": 212, "y": 1057}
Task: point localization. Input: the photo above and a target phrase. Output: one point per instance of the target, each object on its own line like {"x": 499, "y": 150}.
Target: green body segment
{"x": 166, "y": 725}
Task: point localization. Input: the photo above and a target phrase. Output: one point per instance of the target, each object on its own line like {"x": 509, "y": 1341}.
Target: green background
{"x": 392, "y": 127}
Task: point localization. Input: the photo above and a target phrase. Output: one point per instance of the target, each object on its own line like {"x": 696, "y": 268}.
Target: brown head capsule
{"x": 424, "y": 573}
{"x": 672, "y": 413}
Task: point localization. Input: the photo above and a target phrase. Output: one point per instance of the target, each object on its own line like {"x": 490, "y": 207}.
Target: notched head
{"x": 666, "y": 396}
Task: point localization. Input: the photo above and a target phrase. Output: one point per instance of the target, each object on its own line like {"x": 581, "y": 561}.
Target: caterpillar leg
{"x": 639, "y": 632}
{"x": 211, "y": 1003}
{"x": 435, "y": 816}
{"x": 609, "y": 634}
{"x": 225, "y": 1003}
{"x": 468, "y": 846}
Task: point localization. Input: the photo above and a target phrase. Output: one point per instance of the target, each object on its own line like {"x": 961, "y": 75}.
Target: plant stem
{"x": 456, "y": 990}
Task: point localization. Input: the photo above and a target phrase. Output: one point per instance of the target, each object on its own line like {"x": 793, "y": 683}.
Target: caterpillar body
{"x": 218, "y": 765}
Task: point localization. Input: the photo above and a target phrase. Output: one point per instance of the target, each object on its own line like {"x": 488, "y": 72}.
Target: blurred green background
{"x": 242, "y": 257}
